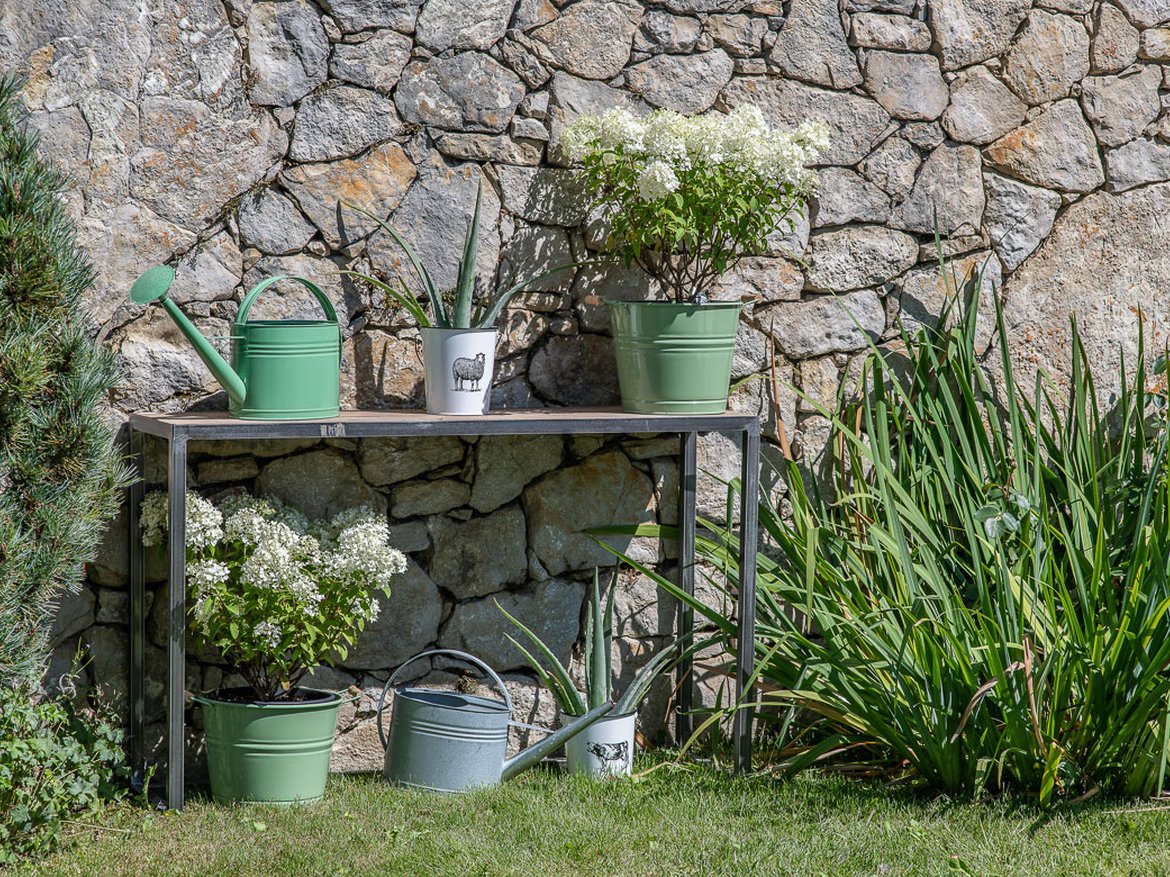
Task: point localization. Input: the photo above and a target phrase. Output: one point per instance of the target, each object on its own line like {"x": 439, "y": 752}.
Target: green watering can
{"x": 281, "y": 369}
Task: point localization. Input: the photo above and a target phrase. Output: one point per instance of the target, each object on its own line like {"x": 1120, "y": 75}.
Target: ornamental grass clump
{"x": 276, "y": 593}
{"x": 687, "y": 196}
{"x": 975, "y": 588}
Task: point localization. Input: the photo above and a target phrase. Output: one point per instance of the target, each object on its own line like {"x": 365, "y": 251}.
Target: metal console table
{"x": 179, "y": 429}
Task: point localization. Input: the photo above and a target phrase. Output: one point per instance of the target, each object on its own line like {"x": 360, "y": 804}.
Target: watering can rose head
{"x": 275, "y": 592}
{"x": 687, "y": 196}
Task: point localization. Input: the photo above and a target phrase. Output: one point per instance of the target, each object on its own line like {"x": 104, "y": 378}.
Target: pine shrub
{"x": 60, "y": 471}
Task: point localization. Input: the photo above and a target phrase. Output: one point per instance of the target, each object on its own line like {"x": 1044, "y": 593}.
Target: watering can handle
{"x": 250, "y": 298}
{"x": 463, "y": 656}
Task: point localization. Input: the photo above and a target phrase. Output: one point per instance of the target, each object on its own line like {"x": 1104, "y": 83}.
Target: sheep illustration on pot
{"x": 468, "y": 370}
{"x": 458, "y": 333}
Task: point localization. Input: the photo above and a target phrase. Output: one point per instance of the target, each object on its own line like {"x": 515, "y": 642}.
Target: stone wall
{"x": 218, "y": 135}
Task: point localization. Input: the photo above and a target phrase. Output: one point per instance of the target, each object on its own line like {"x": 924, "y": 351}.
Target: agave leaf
{"x": 441, "y": 319}
{"x": 403, "y": 297}
{"x": 465, "y": 284}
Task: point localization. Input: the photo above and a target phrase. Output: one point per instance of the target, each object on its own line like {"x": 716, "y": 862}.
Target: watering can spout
{"x": 153, "y": 286}
{"x": 534, "y": 753}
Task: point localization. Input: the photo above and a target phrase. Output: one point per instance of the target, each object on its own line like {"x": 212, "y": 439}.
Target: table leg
{"x": 137, "y": 562}
{"x": 745, "y": 652}
{"x": 687, "y": 475}
{"x": 176, "y": 618}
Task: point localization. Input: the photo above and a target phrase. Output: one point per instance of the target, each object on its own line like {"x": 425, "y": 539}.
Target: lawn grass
{"x": 675, "y": 821}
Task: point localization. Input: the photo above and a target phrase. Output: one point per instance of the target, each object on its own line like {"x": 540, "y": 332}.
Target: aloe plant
{"x": 598, "y": 661}
{"x": 464, "y": 311}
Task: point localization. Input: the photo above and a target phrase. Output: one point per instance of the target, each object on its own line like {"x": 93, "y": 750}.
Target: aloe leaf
{"x": 487, "y": 316}
{"x": 663, "y": 661}
{"x": 598, "y": 645}
{"x": 566, "y": 697}
{"x": 441, "y": 320}
{"x": 563, "y": 690}
{"x": 465, "y": 284}
{"x": 608, "y": 634}
{"x": 403, "y": 297}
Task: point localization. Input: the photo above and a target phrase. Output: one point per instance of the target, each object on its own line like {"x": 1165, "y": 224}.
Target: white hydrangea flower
{"x": 621, "y": 129}
{"x": 294, "y": 519}
{"x": 307, "y": 550}
{"x": 307, "y": 591}
{"x": 656, "y": 181}
{"x": 268, "y": 633}
{"x": 271, "y": 564}
{"x": 204, "y": 523}
{"x": 581, "y": 136}
{"x": 364, "y": 547}
{"x": 202, "y": 574}
{"x": 152, "y": 518}
{"x": 665, "y": 139}
{"x": 246, "y": 524}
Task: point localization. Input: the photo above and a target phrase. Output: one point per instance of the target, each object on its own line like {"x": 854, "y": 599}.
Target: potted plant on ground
{"x": 276, "y": 595}
{"x": 605, "y": 748}
{"x": 459, "y": 336}
{"x": 685, "y": 198}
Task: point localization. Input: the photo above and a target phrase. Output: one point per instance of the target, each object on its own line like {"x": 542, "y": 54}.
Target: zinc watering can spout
{"x": 537, "y": 751}
{"x": 153, "y": 286}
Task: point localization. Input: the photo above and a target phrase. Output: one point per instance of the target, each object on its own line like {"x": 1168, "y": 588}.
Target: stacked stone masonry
{"x": 220, "y": 136}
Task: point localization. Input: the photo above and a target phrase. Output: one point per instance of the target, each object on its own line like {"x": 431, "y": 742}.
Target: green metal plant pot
{"x": 277, "y": 753}
{"x": 674, "y": 358}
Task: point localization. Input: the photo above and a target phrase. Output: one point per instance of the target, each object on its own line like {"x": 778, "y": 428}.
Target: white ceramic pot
{"x": 458, "y": 366}
{"x": 605, "y": 748}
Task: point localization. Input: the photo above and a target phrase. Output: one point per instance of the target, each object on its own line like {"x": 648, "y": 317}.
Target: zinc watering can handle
{"x": 463, "y": 656}
{"x": 250, "y": 298}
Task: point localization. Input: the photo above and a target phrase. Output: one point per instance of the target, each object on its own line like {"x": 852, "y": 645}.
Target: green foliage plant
{"x": 275, "y": 593}
{"x": 60, "y": 471}
{"x": 598, "y": 661}
{"x": 464, "y": 309}
{"x": 57, "y": 760}
{"x": 980, "y": 591}
{"x": 687, "y": 196}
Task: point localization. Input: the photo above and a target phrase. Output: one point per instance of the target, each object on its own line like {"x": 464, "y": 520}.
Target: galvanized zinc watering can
{"x": 281, "y": 369}
{"x": 447, "y": 741}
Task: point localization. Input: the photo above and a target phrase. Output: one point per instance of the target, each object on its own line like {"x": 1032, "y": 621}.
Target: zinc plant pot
{"x": 457, "y": 370}
{"x": 604, "y": 749}
{"x": 674, "y": 358}
{"x": 276, "y": 753}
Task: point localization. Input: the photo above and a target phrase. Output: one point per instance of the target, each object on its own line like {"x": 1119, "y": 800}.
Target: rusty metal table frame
{"x": 180, "y": 429}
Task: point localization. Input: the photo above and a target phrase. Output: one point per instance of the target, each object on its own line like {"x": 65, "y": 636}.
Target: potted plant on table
{"x": 276, "y": 594}
{"x": 686, "y": 198}
{"x": 605, "y": 748}
{"x": 459, "y": 335}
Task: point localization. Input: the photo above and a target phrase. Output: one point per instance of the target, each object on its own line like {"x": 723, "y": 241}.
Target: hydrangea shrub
{"x": 688, "y": 196}
{"x": 276, "y": 593}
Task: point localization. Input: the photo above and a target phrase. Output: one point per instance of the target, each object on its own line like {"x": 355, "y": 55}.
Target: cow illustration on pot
{"x": 615, "y": 755}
